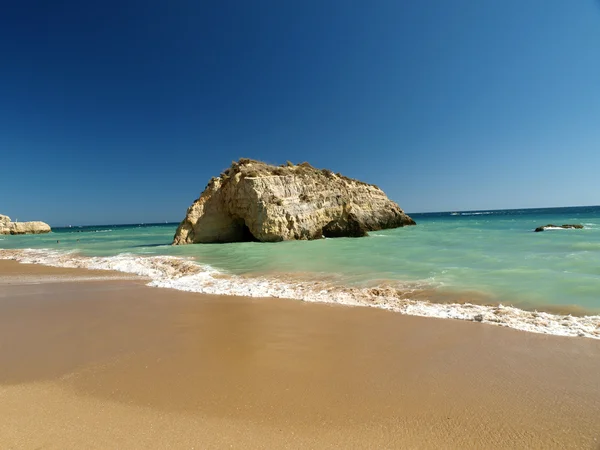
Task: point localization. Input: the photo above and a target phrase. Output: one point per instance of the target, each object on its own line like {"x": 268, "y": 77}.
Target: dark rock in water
{"x": 349, "y": 226}
{"x": 478, "y": 318}
{"x": 577, "y": 226}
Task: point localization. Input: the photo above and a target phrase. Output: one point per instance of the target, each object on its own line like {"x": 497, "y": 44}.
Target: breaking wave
{"x": 406, "y": 298}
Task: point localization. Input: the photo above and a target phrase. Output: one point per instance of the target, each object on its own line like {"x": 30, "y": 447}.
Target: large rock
{"x": 8, "y": 227}
{"x": 253, "y": 201}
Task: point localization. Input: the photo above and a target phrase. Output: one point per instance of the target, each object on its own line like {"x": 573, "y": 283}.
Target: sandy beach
{"x": 91, "y": 362}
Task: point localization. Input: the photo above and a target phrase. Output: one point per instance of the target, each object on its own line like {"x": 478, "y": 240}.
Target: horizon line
{"x": 409, "y": 213}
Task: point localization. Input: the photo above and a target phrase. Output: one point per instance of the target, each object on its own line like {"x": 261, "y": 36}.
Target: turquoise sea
{"x": 485, "y": 258}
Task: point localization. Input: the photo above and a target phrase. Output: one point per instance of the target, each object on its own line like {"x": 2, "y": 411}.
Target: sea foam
{"x": 405, "y": 298}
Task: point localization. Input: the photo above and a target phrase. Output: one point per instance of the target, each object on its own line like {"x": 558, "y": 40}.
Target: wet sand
{"x": 116, "y": 364}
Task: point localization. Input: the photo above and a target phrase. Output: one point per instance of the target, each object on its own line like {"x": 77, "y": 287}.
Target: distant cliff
{"x": 254, "y": 201}
{"x": 8, "y": 227}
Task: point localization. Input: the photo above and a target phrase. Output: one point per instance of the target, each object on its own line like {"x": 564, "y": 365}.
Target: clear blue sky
{"x": 120, "y": 111}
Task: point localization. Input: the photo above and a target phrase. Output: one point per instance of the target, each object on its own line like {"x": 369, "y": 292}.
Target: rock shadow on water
{"x": 166, "y": 244}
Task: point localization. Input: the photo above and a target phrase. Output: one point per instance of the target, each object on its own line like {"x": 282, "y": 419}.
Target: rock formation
{"x": 550, "y": 226}
{"x": 8, "y": 227}
{"x": 254, "y": 201}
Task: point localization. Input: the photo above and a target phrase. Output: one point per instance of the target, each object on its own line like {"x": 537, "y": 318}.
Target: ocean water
{"x": 487, "y": 266}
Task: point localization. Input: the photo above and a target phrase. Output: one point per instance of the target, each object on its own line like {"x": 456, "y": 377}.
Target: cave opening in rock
{"x": 243, "y": 232}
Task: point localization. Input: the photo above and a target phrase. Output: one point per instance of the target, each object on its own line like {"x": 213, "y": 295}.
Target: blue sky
{"x": 120, "y": 111}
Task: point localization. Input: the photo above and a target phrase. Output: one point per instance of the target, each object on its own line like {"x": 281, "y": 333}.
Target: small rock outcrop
{"x": 254, "y": 201}
{"x": 9, "y": 227}
{"x": 550, "y": 226}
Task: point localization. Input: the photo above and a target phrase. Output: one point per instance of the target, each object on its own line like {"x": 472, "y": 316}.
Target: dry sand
{"x": 115, "y": 364}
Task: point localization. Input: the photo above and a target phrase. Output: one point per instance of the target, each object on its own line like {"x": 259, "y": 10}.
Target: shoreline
{"x": 94, "y": 364}
{"x": 412, "y": 299}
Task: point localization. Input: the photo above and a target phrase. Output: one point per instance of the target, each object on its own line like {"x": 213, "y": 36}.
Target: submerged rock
{"x": 550, "y": 226}
{"x": 254, "y": 201}
{"x": 9, "y": 227}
